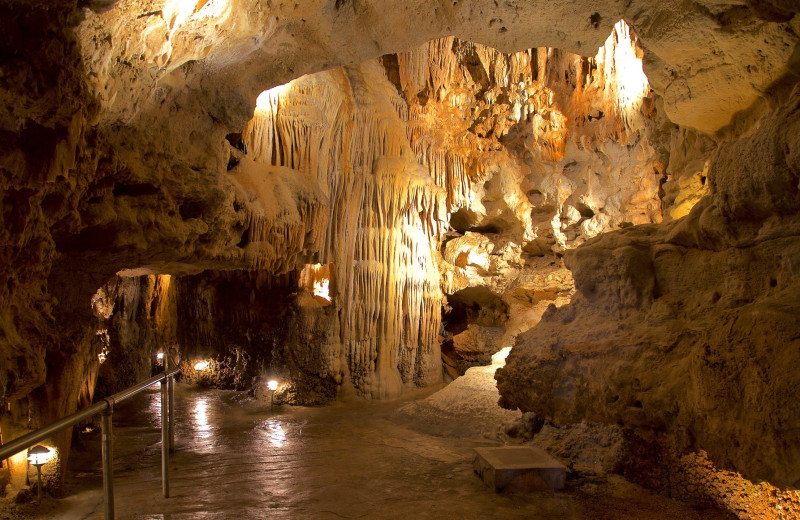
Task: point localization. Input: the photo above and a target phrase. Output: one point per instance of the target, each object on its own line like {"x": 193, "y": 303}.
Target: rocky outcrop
{"x": 126, "y": 116}
{"x": 687, "y": 330}
{"x": 537, "y": 151}
{"x": 478, "y": 343}
{"x": 453, "y": 136}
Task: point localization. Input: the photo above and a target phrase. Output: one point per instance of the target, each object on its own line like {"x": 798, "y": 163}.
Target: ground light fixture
{"x": 39, "y": 456}
{"x": 272, "y": 385}
{"x": 201, "y": 365}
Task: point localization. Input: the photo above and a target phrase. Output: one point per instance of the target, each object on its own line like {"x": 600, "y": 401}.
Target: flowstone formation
{"x": 422, "y": 176}
{"x": 343, "y": 130}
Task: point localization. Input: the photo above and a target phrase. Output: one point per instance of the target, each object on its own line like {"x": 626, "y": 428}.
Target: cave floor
{"x": 236, "y": 459}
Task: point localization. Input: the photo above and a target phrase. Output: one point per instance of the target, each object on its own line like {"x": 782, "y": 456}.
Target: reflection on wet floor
{"x": 202, "y": 429}
{"x": 235, "y": 459}
{"x": 273, "y": 432}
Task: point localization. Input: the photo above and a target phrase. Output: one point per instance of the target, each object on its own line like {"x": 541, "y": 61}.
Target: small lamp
{"x": 201, "y": 365}
{"x": 160, "y": 358}
{"x": 38, "y": 456}
{"x": 272, "y": 385}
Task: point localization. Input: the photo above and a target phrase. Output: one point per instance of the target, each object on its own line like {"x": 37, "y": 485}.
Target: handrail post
{"x": 164, "y": 435}
{"x": 108, "y": 461}
{"x": 106, "y": 408}
{"x": 171, "y": 402}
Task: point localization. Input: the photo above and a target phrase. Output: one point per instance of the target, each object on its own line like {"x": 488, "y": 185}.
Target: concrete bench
{"x": 518, "y": 469}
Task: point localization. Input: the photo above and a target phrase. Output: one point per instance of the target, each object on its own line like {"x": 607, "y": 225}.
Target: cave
{"x": 375, "y": 238}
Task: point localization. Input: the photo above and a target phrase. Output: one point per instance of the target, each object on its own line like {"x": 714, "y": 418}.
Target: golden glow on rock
{"x": 316, "y": 278}
{"x": 105, "y": 341}
{"x": 690, "y": 190}
{"x": 406, "y": 165}
{"x": 178, "y": 12}
{"x": 321, "y": 289}
{"x": 621, "y": 61}
{"x": 163, "y": 281}
{"x": 268, "y": 100}
{"x": 18, "y": 460}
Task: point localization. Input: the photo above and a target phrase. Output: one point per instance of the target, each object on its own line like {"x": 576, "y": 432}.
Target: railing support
{"x": 105, "y": 407}
{"x": 108, "y": 462}
{"x": 170, "y": 401}
{"x": 164, "y": 436}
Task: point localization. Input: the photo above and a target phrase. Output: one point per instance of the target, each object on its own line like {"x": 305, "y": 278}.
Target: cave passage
{"x": 565, "y": 224}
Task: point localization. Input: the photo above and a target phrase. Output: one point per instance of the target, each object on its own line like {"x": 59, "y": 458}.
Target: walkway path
{"x": 236, "y": 460}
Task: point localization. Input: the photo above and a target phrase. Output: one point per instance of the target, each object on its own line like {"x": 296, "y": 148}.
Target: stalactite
{"x": 394, "y": 165}
{"x": 286, "y": 215}
{"x": 557, "y": 103}
{"x": 345, "y": 128}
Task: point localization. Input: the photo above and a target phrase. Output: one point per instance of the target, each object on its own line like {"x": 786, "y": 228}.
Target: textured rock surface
{"x": 537, "y": 151}
{"x": 477, "y": 343}
{"x": 343, "y": 130}
{"x": 393, "y": 160}
{"x": 688, "y": 329}
{"x": 94, "y": 142}
{"x": 137, "y": 319}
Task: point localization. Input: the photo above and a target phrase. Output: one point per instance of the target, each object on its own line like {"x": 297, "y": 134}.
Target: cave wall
{"x": 236, "y": 319}
{"x": 537, "y": 151}
{"x": 136, "y": 320}
{"x": 249, "y": 326}
{"x": 324, "y": 161}
{"x": 687, "y": 330}
{"x": 125, "y": 117}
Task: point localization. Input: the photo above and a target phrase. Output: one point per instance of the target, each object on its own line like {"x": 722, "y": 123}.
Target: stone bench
{"x": 518, "y": 469}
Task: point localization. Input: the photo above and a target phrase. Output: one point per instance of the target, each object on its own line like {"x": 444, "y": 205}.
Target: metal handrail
{"x": 106, "y": 408}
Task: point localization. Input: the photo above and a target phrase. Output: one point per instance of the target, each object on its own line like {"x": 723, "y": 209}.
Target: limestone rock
{"x": 477, "y": 343}
{"x": 688, "y": 329}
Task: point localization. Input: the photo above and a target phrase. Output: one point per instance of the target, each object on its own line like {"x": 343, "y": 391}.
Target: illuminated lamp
{"x": 201, "y": 365}
{"x": 272, "y": 385}
{"x": 39, "y": 456}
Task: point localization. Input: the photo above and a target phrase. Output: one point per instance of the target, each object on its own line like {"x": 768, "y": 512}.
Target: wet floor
{"x": 237, "y": 460}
